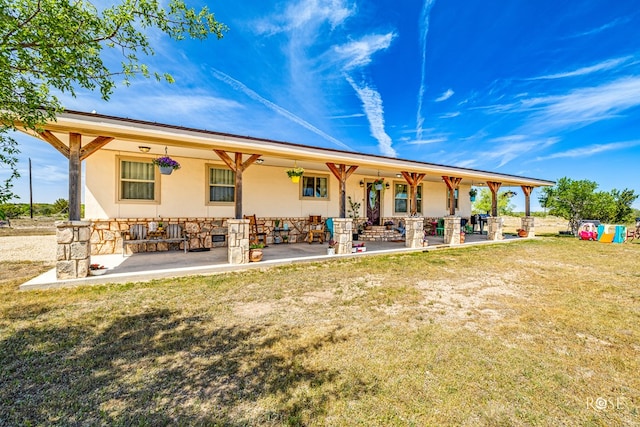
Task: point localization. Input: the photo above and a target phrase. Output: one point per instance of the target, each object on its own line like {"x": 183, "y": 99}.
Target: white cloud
{"x": 508, "y": 148}
{"x": 372, "y": 104}
{"x": 358, "y": 53}
{"x": 307, "y": 15}
{"x": 450, "y": 115}
{"x": 602, "y": 66}
{"x": 348, "y": 116}
{"x": 446, "y": 95}
{"x": 591, "y": 150}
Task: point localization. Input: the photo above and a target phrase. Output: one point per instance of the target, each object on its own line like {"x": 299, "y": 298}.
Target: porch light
{"x": 398, "y": 175}
{"x": 386, "y": 185}
{"x": 144, "y": 148}
{"x": 361, "y": 184}
{"x": 259, "y": 161}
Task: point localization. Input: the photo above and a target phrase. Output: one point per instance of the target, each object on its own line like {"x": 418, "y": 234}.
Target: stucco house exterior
{"x": 223, "y": 177}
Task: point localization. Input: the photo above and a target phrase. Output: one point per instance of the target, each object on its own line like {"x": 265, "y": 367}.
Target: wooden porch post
{"x": 452, "y": 184}
{"x": 237, "y": 166}
{"x": 75, "y": 153}
{"x": 413, "y": 179}
{"x": 526, "y": 189}
{"x": 494, "y": 187}
{"x": 342, "y": 173}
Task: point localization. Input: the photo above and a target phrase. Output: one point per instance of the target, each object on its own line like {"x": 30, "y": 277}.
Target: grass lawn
{"x": 543, "y": 332}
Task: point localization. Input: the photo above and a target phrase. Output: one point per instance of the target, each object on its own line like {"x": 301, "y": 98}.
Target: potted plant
{"x": 522, "y": 232}
{"x": 368, "y": 225}
{"x": 97, "y": 269}
{"x": 472, "y": 194}
{"x": 378, "y": 184}
{"x": 166, "y": 164}
{"x": 255, "y": 252}
{"x": 388, "y": 224}
{"x": 354, "y": 214}
{"x": 331, "y": 249}
{"x": 295, "y": 174}
{"x": 462, "y": 236}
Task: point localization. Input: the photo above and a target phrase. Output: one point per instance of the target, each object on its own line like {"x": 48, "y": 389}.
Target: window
{"x": 222, "y": 185}
{"x": 455, "y": 194}
{"x": 401, "y": 198}
{"x": 315, "y": 187}
{"x": 137, "y": 180}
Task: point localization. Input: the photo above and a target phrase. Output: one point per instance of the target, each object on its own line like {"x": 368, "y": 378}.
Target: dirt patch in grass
{"x": 526, "y": 333}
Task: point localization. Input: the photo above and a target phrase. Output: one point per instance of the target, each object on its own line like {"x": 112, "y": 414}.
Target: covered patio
{"x": 144, "y": 266}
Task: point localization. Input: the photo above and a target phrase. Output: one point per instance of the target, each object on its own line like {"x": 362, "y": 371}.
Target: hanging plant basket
{"x": 166, "y": 165}
{"x": 378, "y": 184}
{"x": 295, "y": 174}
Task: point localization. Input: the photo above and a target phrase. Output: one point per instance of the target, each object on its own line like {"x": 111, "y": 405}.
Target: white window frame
{"x": 314, "y": 197}
{"x": 119, "y": 180}
{"x": 208, "y": 185}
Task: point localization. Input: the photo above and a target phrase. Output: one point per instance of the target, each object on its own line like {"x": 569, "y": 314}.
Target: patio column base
{"x": 527, "y": 224}
{"x": 414, "y": 232}
{"x": 343, "y": 235}
{"x": 238, "y": 241}
{"x": 452, "y": 230}
{"x": 74, "y": 249}
{"x": 494, "y": 228}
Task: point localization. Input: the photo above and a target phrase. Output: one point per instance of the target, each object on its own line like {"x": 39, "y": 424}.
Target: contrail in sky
{"x": 424, "y": 30}
{"x": 253, "y": 95}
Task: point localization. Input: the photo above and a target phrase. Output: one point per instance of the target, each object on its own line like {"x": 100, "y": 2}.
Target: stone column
{"x": 527, "y": 223}
{"x": 343, "y": 234}
{"x": 74, "y": 249}
{"x": 494, "y": 228}
{"x": 414, "y": 236}
{"x": 238, "y": 241}
{"x": 452, "y": 230}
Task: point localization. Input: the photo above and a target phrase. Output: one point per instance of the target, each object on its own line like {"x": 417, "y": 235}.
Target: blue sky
{"x": 540, "y": 88}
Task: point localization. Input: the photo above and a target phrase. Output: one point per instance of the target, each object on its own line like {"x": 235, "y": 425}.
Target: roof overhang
{"x": 129, "y": 134}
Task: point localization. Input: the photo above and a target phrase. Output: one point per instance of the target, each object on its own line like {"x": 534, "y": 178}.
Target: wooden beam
{"x": 452, "y": 184}
{"x": 342, "y": 174}
{"x": 55, "y": 142}
{"x": 494, "y": 187}
{"x": 238, "y": 166}
{"x": 413, "y": 179}
{"x": 526, "y": 189}
{"x": 94, "y": 146}
{"x": 75, "y": 176}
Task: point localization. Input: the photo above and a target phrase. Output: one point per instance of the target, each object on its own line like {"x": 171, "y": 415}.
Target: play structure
{"x": 610, "y": 233}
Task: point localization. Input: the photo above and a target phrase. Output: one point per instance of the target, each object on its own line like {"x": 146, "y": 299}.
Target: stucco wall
{"x": 268, "y": 192}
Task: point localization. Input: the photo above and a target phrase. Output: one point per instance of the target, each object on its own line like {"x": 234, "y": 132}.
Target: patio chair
{"x": 256, "y": 232}
{"x": 440, "y": 227}
{"x": 316, "y": 229}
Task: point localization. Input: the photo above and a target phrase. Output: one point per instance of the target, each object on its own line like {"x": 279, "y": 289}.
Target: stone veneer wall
{"x": 528, "y": 223}
{"x": 343, "y": 234}
{"x": 74, "y": 249}
{"x": 452, "y": 230}
{"x": 106, "y": 234}
{"x": 494, "y": 228}
{"x": 414, "y": 232}
{"x": 238, "y": 242}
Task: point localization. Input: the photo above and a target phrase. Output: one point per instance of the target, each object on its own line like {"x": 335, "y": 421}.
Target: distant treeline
{"x": 16, "y": 210}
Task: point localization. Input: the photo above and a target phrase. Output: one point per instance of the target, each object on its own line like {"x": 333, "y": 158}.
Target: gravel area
{"x": 28, "y": 248}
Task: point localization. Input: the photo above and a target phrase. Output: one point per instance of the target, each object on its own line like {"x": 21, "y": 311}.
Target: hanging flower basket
{"x": 295, "y": 174}
{"x": 166, "y": 165}
{"x": 378, "y": 184}
{"x": 472, "y": 194}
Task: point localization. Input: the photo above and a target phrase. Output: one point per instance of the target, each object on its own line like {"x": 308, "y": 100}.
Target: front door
{"x": 373, "y": 204}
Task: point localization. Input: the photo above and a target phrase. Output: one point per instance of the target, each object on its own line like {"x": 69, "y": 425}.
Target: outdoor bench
{"x": 139, "y": 234}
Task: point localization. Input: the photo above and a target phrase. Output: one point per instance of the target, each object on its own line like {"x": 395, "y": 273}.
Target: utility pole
{"x": 30, "y": 191}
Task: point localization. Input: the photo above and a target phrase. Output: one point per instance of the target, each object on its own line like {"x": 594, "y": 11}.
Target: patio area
{"x": 146, "y": 266}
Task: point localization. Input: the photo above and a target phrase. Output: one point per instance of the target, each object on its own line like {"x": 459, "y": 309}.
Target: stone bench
{"x": 139, "y": 234}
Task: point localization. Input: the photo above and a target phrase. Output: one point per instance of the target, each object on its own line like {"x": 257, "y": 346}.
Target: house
{"x": 224, "y": 177}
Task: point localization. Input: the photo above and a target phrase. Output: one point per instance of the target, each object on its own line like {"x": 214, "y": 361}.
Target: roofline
{"x": 315, "y": 150}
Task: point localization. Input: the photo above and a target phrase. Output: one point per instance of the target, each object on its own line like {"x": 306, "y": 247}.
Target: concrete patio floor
{"x": 146, "y": 266}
